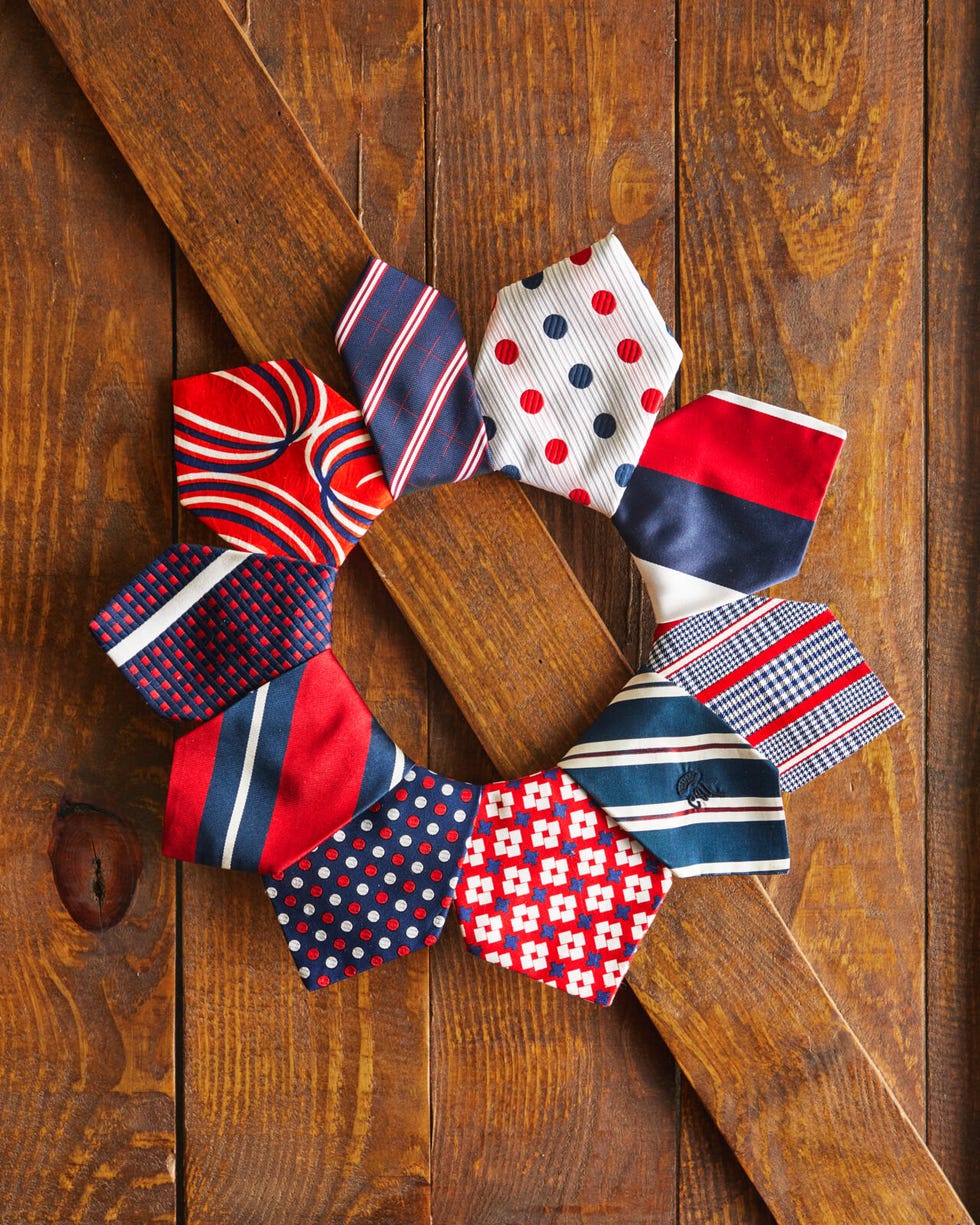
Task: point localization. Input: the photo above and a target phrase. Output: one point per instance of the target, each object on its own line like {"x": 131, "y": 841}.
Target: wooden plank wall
{"x": 765, "y": 169}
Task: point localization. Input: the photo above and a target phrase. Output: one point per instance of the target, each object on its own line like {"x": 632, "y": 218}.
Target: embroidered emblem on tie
{"x": 691, "y": 787}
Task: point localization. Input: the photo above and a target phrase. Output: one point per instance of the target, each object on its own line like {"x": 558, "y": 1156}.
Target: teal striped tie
{"x": 680, "y": 781}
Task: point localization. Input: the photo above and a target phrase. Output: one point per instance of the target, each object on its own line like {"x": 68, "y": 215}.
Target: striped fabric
{"x": 380, "y": 887}
{"x": 551, "y": 888}
{"x": 403, "y": 346}
{"x": 276, "y": 462}
{"x": 278, "y": 772}
{"x": 785, "y": 675}
{"x": 724, "y": 499}
{"x": 680, "y": 781}
{"x": 200, "y": 627}
{"x": 573, "y": 369}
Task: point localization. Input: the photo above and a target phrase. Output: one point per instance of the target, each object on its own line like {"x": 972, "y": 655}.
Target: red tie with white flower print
{"x": 553, "y": 889}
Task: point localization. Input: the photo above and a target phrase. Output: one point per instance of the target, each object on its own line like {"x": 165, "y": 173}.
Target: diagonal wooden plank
{"x": 141, "y": 64}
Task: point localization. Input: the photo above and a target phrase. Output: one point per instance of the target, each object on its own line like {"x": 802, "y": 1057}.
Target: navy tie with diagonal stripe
{"x": 403, "y": 347}
{"x": 681, "y": 782}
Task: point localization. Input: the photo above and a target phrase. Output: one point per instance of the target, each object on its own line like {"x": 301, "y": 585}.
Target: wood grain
{"x": 815, "y": 1156}
{"x": 720, "y": 905}
{"x": 347, "y": 1112}
{"x": 86, "y": 1017}
{"x": 954, "y": 579}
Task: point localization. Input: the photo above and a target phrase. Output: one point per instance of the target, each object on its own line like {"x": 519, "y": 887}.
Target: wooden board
{"x": 87, "y": 1113}
{"x": 338, "y": 1081}
{"x": 799, "y": 212}
{"x": 756, "y": 1150}
{"x": 598, "y": 1074}
{"x": 953, "y": 302}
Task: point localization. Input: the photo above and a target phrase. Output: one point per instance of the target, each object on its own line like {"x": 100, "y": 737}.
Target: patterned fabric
{"x": 682, "y": 782}
{"x": 276, "y": 462}
{"x": 278, "y": 772}
{"x": 724, "y": 500}
{"x": 573, "y": 369}
{"x": 552, "y": 889}
{"x": 784, "y": 674}
{"x": 380, "y": 887}
{"x": 403, "y": 346}
{"x": 200, "y": 627}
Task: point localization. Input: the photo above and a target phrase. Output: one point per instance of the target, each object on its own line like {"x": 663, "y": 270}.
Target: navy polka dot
{"x": 511, "y": 471}
{"x": 532, "y": 282}
{"x": 555, "y": 326}
{"x": 623, "y": 474}
{"x": 490, "y": 426}
{"x": 605, "y": 425}
{"x": 580, "y": 375}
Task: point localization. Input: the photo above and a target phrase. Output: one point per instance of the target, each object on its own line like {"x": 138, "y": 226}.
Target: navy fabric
{"x": 381, "y": 886}
{"x": 404, "y": 348}
{"x": 714, "y": 536}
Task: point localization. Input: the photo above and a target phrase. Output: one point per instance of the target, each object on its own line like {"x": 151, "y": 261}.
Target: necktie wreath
{"x": 560, "y": 874}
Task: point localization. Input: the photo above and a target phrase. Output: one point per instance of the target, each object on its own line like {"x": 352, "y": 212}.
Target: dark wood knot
{"x": 96, "y": 860}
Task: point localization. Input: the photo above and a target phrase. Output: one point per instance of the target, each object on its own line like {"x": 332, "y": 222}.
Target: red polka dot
{"x": 323, "y": 981}
{"x": 343, "y": 881}
{"x": 366, "y": 933}
{"x": 439, "y": 809}
{"x": 340, "y": 943}
{"x": 409, "y": 886}
{"x": 430, "y": 940}
{"x": 376, "y": 960}
{"x": 302, "y": 928}
{"x": 385, "y": 832}
{"x": 556, "y": 451}
{"x": 506, "y": 352}
{"x": 349, "y": 971}
{"x": 603, "y": 302}
{"x": 312, "y": 954}
{"x": 392, "y": 925}
{"x": 452, "y": 835}
{"x": 381, "y": 898}
{"x": 305, "y": 864}
{"x": 412, "y": 821}
{"x": 401, "y": 794}
{"x": 354, "y": 907}
{"x": 652, "y": 399}
{"x": 403, "y": 950}
{"x": 581, "y": 257}
{"x": 428, "y": 782}
{"x": 466, "y": 795}
{"x": 419, "y": 912}
{"x": 581, "y": 496}
{"x": 629, "y": 350}
{"x": 532, "y": 401}
{"x": 289, "y": 900}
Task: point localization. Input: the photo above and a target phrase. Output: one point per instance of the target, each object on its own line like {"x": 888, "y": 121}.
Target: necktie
{"x": 680, "y": 781}
{"x": 784, "y": 674}
{"x": 552, "y": 889}
{"x": 282, "y": 769}
{"x": 572, "y": 371}
{"x": 275, "y": 461}
{"x": 404, "y": 349}
{"x": 200, "y": 627}
{"x": 381, "y": 886}
{"x": 724, "y": 499}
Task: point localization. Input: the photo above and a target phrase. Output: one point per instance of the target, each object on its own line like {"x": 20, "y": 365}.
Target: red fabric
{"x": 552, "y": 888}
{"x": 783, "y": 464}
